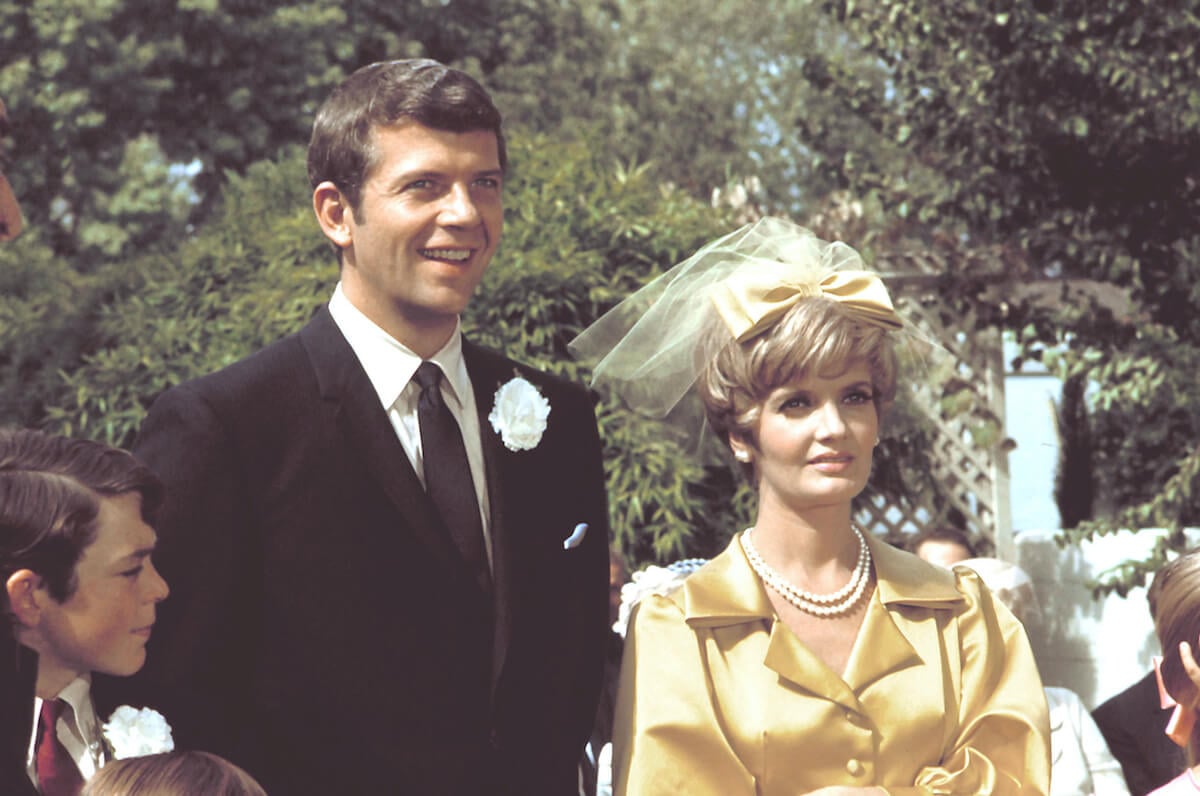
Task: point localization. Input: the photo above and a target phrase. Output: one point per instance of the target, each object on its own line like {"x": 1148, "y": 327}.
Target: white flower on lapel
{"x": 519, "y": 414}
{"x": 131, "y": 732}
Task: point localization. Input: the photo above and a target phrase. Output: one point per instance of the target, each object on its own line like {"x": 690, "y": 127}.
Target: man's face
{"x": 105, "y": 624}
{"x": 427, "y": 226}
{"x": 10, "y": 211}
{"x": 942, "y": 552}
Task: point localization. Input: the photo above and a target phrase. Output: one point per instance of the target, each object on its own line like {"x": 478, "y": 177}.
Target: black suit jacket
{"x": 323, "y": 631}
{"x": 1133, "y": 724}
{"x": 18, "y": 678}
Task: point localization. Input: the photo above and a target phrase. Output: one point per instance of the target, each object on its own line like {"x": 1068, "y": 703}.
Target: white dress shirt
{"x": 78, "y": 729}
{"x": 1081, "y": 764}
{"x": 390, "y": 366}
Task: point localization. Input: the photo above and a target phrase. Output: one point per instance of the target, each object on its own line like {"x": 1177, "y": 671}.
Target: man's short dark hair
{"x": 422, "y": 90}
{"x": 943, "y": 533}
{"x": 50, "y": 491}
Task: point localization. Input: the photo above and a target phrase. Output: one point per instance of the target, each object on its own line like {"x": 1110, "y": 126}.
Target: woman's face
{"x": 814, "y": 438}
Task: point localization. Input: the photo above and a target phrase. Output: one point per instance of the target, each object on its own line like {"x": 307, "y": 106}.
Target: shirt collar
{"x": 77, "y": 694}
{"x": 390, "y": 364}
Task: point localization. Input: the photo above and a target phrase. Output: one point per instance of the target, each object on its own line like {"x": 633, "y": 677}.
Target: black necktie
{"x": 448, "y": 473}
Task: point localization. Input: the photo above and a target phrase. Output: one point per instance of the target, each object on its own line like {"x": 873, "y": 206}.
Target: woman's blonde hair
{"x": 817, "y": 335}
{"x": 190, "y": 773}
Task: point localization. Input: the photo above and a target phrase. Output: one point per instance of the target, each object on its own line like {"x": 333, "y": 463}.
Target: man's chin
{"x": 127, "y": 667}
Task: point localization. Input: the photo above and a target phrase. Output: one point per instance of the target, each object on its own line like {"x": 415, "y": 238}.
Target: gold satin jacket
{"x": 940, "y": 695}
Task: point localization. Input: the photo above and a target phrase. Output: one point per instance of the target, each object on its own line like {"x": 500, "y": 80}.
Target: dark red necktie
{"x": 448, "y": 473}
{"x": 58, "y": 775}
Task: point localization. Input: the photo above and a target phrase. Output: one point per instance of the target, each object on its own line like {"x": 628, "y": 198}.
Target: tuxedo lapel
{"x": 487, "y": 372}
{"x": 354, "y": 409}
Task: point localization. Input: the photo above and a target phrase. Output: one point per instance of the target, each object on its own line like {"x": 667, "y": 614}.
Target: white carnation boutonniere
{"x": 130, "y": 732}
{"x": 519, "y": 414}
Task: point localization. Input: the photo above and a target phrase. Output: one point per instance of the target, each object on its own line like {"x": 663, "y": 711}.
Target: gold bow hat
{"x": 750, "y": 303}
{"x": 649, "y": 349}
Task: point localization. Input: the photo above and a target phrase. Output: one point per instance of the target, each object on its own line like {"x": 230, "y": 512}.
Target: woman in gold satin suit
{"x": 809, "y": 657}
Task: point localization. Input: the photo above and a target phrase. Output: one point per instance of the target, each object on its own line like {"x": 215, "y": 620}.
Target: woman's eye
{"x": 859, "y": 397}
{"x": 132, "y": 573}
{"x": 795, "y": 402}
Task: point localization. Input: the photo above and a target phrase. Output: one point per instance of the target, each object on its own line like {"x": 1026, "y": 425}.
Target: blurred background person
{"x": 1081, "y": 763}
{"x": 942, "y": 545}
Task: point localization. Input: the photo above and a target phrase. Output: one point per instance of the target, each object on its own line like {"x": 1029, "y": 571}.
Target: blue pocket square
{"x": 576, "y": 536}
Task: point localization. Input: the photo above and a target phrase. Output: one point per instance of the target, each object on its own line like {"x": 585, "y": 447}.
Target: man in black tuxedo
{"x": 365, "y": 600}
{"x": 1134, "y": 724}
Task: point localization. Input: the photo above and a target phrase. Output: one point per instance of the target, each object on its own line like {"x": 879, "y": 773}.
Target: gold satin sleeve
{"x": 941, "y": 700}
{"x": 1003, "y": 741}
{"x": 666, "y": 736}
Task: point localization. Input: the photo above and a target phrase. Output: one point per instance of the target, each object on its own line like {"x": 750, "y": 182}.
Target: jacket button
{"x": 855, "y": 768}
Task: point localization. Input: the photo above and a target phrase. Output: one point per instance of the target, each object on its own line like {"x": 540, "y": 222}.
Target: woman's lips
{"x": 832, "y": 463}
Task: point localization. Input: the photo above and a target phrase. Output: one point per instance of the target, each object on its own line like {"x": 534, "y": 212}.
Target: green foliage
{"x": 999, "y": 143}
{"x": 582, "y": 232}
{"x": 214, "y": 84}
{"x": 251, "y": 275}
{"x": 1065, "y": 134}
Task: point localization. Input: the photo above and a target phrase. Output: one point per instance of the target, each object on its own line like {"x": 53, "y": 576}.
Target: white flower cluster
{"x": 133, "y": 733}
{"x": 519, "y": 414}
{"x": 653, "y": 580}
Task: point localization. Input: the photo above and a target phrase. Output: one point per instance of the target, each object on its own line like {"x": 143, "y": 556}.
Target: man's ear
{"x": 25, "y": 594}
{"x": 333, "y": 214}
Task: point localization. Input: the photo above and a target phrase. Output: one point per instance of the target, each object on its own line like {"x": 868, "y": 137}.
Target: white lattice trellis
{"x": 974, "y": 477}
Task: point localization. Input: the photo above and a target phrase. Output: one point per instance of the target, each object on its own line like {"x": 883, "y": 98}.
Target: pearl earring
{"x": 742, "y": 456}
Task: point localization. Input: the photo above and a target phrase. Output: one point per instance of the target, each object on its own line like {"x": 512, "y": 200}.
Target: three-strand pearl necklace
{"x": 834, "y": 604}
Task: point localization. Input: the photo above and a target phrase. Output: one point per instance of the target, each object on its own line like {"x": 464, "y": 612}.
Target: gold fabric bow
{"x": 750, "y": 301}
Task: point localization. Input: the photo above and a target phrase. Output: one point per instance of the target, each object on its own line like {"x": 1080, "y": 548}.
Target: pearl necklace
{"x": 835, "y": 604}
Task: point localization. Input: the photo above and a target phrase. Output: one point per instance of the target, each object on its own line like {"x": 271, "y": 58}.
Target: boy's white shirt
{"x": 79, "y": 730}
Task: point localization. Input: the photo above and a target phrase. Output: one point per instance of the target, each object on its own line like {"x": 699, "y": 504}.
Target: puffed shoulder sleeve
{"x": 1002, "y": 742}
{"x": 665, "y": 737}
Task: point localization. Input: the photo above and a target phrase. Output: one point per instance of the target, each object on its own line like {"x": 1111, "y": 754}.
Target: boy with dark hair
{"x": 80, "y": 595}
